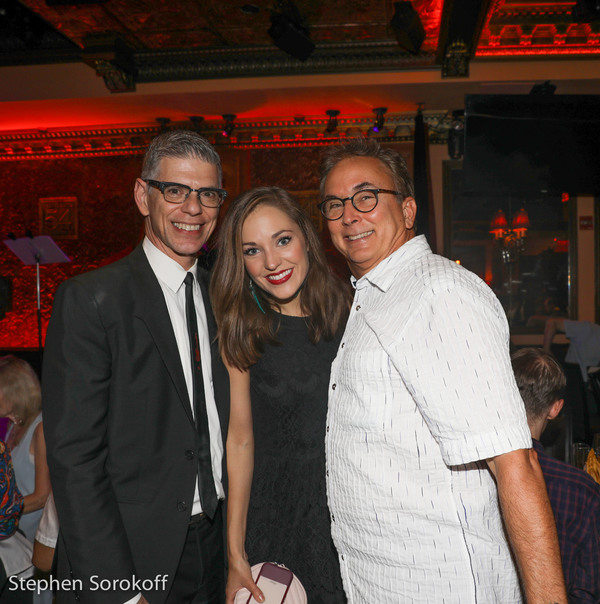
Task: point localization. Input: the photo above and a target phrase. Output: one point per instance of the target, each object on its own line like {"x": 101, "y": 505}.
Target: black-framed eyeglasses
{"x": 174, "y": 192}
{"x": 363, "y": 201}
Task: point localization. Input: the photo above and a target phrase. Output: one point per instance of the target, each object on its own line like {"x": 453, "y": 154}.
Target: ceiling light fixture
{"x": 229, "y": 125}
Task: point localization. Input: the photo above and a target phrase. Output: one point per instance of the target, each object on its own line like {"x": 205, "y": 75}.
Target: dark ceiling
{"x": 159, "y": 41}
{"x": 133, "y": 62}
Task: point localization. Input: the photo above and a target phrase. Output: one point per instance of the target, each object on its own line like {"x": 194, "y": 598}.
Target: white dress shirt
{"x": 171, "y": 277}
{"x": 584, "y": 345}
{"x": 421, "y": 390}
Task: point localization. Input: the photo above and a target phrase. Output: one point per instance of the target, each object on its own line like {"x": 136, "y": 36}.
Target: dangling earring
{"x": 251, "y": 285}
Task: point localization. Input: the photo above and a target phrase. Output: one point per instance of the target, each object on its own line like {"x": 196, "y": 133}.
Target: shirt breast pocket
{"x": 372, "y": 392}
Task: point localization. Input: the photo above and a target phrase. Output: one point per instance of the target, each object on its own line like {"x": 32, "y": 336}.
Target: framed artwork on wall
{"x": 58, "y": 217}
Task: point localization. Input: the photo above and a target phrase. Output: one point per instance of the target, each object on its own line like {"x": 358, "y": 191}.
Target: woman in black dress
{"x": 280, "y": 312}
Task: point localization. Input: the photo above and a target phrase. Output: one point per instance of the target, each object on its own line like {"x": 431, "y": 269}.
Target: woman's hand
{"x": 240, "y": 576}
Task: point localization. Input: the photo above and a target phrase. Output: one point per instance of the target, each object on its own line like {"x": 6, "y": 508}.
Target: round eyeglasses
{"x": 363, "y": 201}
{"x": 174, "y": 192}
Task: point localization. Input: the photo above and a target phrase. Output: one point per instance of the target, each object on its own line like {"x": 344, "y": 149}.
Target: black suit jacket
{"x": 120, "y": 435}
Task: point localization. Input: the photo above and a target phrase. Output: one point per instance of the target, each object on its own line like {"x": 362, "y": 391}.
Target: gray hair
{"x": 182, "y": 144}
{"x": 369, "y": 147}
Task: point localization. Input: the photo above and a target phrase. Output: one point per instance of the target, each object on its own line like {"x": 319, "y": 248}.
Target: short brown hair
{"x": 541, "y": 380}
{"x": 19, "y": 385}
{"x": 369, "y": 147}
{"x": 243, "y": 327}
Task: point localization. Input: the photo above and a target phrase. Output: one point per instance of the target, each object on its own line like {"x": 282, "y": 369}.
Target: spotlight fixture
{"x": 229, "y": 125}
{"x": 332, "y": 124}
{"x": 197, "y": 121}
{"x": 379, "y": 119}
{"x": 289, "y": 33}
{"x": 407, "y": 27}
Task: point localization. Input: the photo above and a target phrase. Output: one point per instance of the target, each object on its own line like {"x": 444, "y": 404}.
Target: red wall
{"x": 108, "y": 224}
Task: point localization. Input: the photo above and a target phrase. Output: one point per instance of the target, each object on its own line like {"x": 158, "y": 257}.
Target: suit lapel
{"x": 152, "y": 310}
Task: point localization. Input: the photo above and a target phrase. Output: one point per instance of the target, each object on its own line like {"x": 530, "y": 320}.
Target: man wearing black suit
{"x": 128, "y": 455}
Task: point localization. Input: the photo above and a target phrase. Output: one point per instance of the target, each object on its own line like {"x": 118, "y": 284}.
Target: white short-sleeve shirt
{"x": 584, "y": 347}
{"x": 421, "y": 392}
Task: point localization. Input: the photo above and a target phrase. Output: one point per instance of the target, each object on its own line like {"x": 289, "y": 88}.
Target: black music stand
{"x": 37, "y": 250}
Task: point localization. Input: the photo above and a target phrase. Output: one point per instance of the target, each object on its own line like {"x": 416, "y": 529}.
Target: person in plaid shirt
{"x": 574, "y": 495}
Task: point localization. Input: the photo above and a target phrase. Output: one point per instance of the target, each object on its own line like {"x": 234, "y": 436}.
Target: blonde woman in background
{"x": 21, "y": 403}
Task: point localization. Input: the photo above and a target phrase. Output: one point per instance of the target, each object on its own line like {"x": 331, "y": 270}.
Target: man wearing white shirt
{"x": 131, "y": 451}
{"x": 426, "y": 430}
{"x": 584, "y": 342}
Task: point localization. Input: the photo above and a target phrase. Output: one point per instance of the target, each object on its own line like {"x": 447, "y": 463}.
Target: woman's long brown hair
{"x": 243, "y": 328}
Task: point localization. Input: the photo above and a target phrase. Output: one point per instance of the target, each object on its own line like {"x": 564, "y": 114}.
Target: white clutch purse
{"x": 278, "y": 584}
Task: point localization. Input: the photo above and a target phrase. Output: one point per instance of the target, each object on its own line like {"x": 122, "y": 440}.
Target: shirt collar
{"x": 167, "y": 270}
{"x": 385, "y": 272}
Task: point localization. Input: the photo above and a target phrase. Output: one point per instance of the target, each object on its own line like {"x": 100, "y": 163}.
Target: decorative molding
{"x": 537, "y": 29}
{"x": 254, "y": 61}
{"x": 259, "y": 134}
{"x": 72, "y": 143}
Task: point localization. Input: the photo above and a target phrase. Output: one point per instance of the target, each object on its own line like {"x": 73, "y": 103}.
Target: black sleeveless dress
{"x": 288, "y": 518}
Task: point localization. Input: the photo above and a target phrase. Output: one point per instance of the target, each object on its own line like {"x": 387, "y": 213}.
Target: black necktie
{"x": 208, "y": 494}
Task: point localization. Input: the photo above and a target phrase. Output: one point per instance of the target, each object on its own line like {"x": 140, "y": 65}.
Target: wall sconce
{"x": 511, "y": 239}
{"x": 520, "y": 223}
{"x": 499, "y": 224}
{"x": 229, "y": 125}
